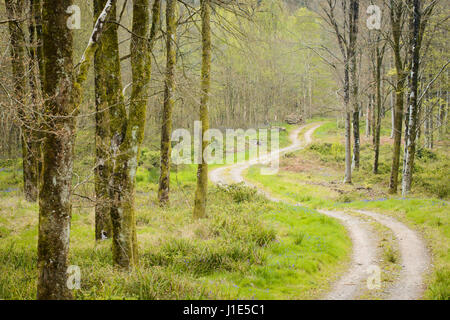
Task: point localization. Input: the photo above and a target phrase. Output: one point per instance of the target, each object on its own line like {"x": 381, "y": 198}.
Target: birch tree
{"x": 414, "y": 49}
{"x": 417, "y": 26}
{"x": 346, "y": 40}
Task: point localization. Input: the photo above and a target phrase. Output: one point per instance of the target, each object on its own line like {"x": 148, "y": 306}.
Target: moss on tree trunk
{"x": 54, "y": 202}
{"x": 125, "y": 248}
{"x": 169, "y": 87}
{"x": 64, "y": 93}
{"x": 105, "y": 96}
{"x": 202, "y": 172}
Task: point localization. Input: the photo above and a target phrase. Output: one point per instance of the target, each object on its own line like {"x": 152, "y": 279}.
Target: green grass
{"x": 248, "y": 247}
{"x": 313, "y": 177}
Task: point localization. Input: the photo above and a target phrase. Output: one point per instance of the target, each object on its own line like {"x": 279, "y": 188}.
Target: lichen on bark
{"x": 56, "y": 180}
{"x": 102, "y": 59}
{"x": 63, "y": 90}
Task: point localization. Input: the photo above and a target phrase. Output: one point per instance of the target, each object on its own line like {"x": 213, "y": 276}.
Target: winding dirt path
{"x": 233, "y": 173}
{"x": 415, "y": 260}
{"x": 364, "y": 255}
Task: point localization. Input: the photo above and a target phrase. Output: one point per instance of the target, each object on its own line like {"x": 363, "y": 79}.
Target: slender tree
{"x": 202, "y": 173}
{"x": 348, "y": 128}
{"x": 417, "y": 26}
{"x": 35, "y": 33}
{"x": 346, "y": 39}
{"x": 392, "y": 100}
{"x": 397, "y": 9}
{"x": 36, "y": 78}
{"x": 169, "y": 87}
{"x": 414, "y": 49}
{"x": 129, "y": 134}
{"x": 369, "y": 116}
{"x": 379, "y": 55}
{"x": 16, "y": 12}
{"x": 353, "y": 35}
{"x": 110, "y": 110}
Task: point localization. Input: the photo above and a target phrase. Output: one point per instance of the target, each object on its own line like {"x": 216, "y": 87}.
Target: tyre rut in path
{"x": 415, "y": 260}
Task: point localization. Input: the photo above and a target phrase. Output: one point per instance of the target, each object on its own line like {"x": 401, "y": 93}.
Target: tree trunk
{"x": 410, "y": 136}
{"x": 54, "y": 204}
{"x": 374, "y": 116}
{"x": 202, "y": 173}
{"x": 348, "y": 128}
{"x": 56, "y": 183}
{"x": 398, "y": 120}
{"x": 169, "y": 87}
{"x": 442, "y": 112}
{"x": 36, "y": 78}
{"x": 369, "y": 114}
{"x": 430, "y": 138}
{"x": 392, "y": 101}
{"x": 104, "y": 97}
{"x": 348, "y": 148}
{"x": 354, "y": 17}
{"x": 121, "y": 217}
{"x": 396, "y": 21}
{"x": 15, "y": 11}
{"x": 38, "y": 75}
{"x": 426, "y": 126}
{"x": 125, "y": 248}
{"x": 377, "y": 124}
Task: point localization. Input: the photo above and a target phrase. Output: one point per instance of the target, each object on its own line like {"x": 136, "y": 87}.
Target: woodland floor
{"x": 252, "y": 246}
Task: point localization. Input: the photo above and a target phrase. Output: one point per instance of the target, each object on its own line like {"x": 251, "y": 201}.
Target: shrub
{"x": 328, "y": 151}
{"x": 425, "y": 154}
{"x": 149, "y": 159}
{"x": 322, "y": 148}
{"x": 345, "y": 198}
{"x": 338, "y": 151}
{"x": 239, "y": 192}
{"x": 289, "y": 155}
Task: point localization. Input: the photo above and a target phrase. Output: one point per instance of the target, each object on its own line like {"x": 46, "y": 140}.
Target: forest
{"x": 224, "y": 150}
